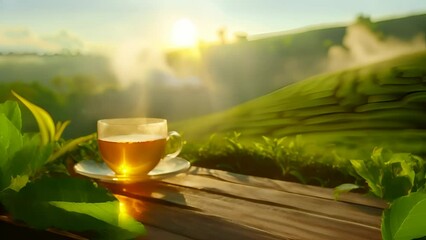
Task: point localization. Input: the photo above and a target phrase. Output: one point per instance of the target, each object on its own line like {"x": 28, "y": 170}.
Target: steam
{"x": 361, "y": 46}
{"x": 131, "y": 62}
{"x": 157, "y": 87}
{"x": 134, "y": 62}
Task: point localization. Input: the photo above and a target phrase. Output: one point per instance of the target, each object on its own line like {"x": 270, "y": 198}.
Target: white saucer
{"x": 100, "y": 171}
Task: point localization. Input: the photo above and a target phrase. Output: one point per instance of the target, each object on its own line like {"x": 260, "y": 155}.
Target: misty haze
{"x": 213, "y": 119}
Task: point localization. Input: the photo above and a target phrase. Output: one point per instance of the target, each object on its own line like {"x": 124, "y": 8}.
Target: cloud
{"x": 23, "y": 40}
{"x": 65, "y": 41}
{"x": 361, "y": 46}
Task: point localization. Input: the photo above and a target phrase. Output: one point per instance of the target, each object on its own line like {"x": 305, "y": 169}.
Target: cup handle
{"x": 177, "y": 138}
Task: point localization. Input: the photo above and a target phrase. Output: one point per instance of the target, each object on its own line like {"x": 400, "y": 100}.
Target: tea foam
{"x": 132, "y": 138}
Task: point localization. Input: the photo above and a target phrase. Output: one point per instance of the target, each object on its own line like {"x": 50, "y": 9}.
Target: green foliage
{"x": 391, "y": 175}
{"x": 279, "y": 158}
{"x": 30, "y": 193}
{"x": 229, "y": 154}
{"x": 405, "y": 219}
{"x": 44, "y": 121}
{"x": 21, "y": 155}
{"x": 286, "y": 154}
{"x": 352, "y": 110}
{"x": 72, "y": 204}
{"x": 12, "y": 112}
{"x": 87, "y": 150}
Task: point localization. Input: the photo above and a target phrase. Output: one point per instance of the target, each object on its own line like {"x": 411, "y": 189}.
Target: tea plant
{"x": 29, "y": 192}
{"x": 400, "y": 179}
{"x": 405, "y": 218}
{"x": 279, "y": 158}
{"x": 390, "y": 175}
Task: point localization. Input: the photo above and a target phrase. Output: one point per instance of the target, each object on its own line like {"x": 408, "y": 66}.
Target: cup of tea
{"x": 134, "y": 146}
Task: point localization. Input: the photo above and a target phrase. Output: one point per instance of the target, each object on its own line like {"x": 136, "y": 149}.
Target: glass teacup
{"x": 134, "y": 146}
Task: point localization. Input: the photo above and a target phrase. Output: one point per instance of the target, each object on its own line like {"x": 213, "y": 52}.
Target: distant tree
{"x": 365, "y": 20}
{"x": 221, "y": 34}
{"x": 240, "y": 36}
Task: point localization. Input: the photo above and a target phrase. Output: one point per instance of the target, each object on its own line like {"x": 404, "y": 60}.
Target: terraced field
{"x": 377, "y": 105}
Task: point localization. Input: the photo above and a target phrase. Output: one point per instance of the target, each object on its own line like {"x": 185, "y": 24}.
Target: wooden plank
{"x": 257, "y": 204}
{"x": 344, "y": 211}
{"x": 277, "y": 220}
{"x": 189, "y": 223}
{"x": 290, "y": 187}
{"x": 331, "y": 208}
{"x": 154, "y": 233}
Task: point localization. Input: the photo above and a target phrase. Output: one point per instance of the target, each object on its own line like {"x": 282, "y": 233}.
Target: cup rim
{"x": 132, "y": 121}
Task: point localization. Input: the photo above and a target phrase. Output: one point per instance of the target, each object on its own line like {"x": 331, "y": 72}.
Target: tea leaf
{"x": 109, "y": 212}
{"x": 18, "y": 182}
{"x": 10, "y": 142}
{"x": 10, "y": 139}
{"x": 60, "y": 127}
{"x": 71, "y": 204}
{"x": 12, "y": 112}
{"x": 69, "y": 146}
{"x": 344, "y": 188}
{"x": 405, "y": 165}
{"x": 29, "y": 159}
{"x": 405, "y": 218}
{"x": 371, "y": 174}
{"x": 395, "y": 186}
{"x": 44, "y": 120}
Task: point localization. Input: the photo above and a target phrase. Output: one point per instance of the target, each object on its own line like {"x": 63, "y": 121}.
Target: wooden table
{"x": 213, "y": 204}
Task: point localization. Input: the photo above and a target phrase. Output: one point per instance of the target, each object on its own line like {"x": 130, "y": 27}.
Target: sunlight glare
{"x": 184, "y": 33}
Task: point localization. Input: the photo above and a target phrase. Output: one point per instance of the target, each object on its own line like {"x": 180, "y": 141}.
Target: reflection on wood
{"x": 213, "y": 204}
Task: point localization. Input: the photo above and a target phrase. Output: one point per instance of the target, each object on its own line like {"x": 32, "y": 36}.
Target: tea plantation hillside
{"x": 251, "y": 68}
{"x": 377, "y": 105}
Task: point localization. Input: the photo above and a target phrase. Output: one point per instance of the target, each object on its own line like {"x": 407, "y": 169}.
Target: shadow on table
{"x": 152, "y": 191}
{"x": 155, "y": 204}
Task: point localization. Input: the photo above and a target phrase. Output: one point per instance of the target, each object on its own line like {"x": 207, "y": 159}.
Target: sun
{"x": 184, "y": 33}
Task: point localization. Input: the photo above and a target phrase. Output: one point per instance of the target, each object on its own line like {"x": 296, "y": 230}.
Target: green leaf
{"x": 10, "y": 142}
{"x": 380, "y": 156}
{"x": 109, "y": 212}
{"x": 405, "y": 219}
{"x": 44, "y": 120}
{"x": 71, "y": 204}
{"x": 371, "y": 174}
{"x": 395, "y": 186}
{"x": 10, "y": 139}
{"x": 12, "y": 112}
{"x": 28, "y": 160}
{"x": 60, "y": 127}
{"x": 18, "y": 182}
{"x": 70, "y": 146}
{"x": 344, "y": 188}
{"x": 402, "y": 165}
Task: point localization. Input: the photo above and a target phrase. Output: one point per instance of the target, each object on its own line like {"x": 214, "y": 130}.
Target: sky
{"x": 29, "y": 25}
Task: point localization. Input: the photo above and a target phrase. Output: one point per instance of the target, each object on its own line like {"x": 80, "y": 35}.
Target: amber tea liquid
{"x": 133, "y": 154}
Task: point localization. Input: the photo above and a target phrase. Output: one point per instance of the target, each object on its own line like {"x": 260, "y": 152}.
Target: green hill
{"x": 383, "y": 104}
{"x": 245, "y": 70}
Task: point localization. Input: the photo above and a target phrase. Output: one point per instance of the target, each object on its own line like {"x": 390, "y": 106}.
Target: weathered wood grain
{"x": 209, "y": 204}
{"x": 291, "y": 187}
{"x": 189, "y": 223}
{"x": 250, "y": 204}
